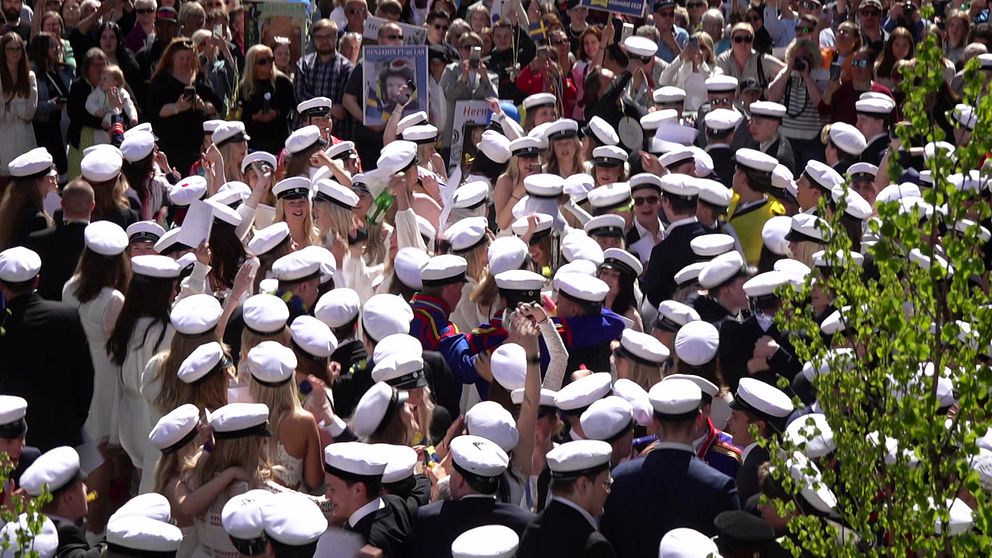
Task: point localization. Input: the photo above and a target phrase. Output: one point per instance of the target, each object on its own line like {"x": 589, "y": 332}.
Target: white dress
{"x": 151, "y": 387}
{"x": 17, "y": 135}
{"x": 288, "y": 469}
{"x": 98, "y": 317}
{"x": 134, "y": 414}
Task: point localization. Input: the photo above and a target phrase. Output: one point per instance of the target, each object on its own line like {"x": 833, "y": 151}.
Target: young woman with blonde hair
{"x": 193, "y": 320}
{"x": 525, "y": 160}
{"x": 294, "y": 207}
{"x": 294, "y": 449}
{"x": 237, "y": 463}
{"x": 566, "y": 155}
{"x": 333, "y": 211}
{"x": 267, "y": 100}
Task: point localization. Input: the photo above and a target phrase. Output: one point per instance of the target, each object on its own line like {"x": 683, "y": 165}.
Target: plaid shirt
{"x": 316, "y": 79}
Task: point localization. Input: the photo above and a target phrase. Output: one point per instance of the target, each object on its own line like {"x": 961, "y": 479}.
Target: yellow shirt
{"x": 748, "y": 220}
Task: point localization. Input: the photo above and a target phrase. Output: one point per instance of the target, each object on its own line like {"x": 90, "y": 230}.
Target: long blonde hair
{"x": 247, "y": 452}
{"x": 280, "y": 400}
{"x": 249, "y": 83}
{"x": 342, "y": 221}
{"x": 314, "y": 236}
{"x": 251, "y": 339}
{"x": 578, "y": 158}
{"x": 477, "y": 259}
{"x": 232, "y": 168}
{"x": 174, "y": 465}
{"x": 174, "y": 391}
{"x": 109, "y": 196}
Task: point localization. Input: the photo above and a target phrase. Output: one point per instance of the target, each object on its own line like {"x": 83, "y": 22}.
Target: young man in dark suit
{"x": 477, "y": 467}
{"x": 671, "y": 487}
{"x": 59, "y": 470}
{"x": 46, "y": 359}
{"x": 580, "y": 483}
{"x": 354, "y": 479}
{"x": 668, "y": 257}
{"x": 60, "y": 246}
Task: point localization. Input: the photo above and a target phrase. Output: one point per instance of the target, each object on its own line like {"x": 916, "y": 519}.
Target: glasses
{"x": 860, "y": 63}
{"x": 721, "y": 101}
{"x": 559, "y": 42}
{"x": 355, "y": 11}
{"x": 440, "y": 27}
{"x": 650, "y": 200}
{"x": 263, "y": 61}
{"x": 743, "y": 39}
{"x": 803, "y": 29}
{"x": 393, "y": 37}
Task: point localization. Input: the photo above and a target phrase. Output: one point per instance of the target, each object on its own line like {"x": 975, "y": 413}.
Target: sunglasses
{"x": 393, "y": 37}
{"x": 263, "y": 61}
{"x": 650, "y": 200}
{"x": 860, "y": 63}
{"x": 440, "y": 27}
{"x": 743, "y": 39}
{"x": 355, "y": 11}
{"x": 560, "y": 42}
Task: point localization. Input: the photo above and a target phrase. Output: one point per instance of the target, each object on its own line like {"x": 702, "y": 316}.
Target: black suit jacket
{"x": 44, "y": 345}
{"x": 668, "y": 257}
{"x": 59, "y": 247}
{"x": 72, "y": 542}
{"x": 782, "y": 150}
{"x": 875, "y": 150}
{"x": 440, "y": 523}
{"x": 562, "y": 532}
{"x": 28, "y": 455}
{"x": 723, "y": 163}
{"x": 737, "y": 347}
{"x": 388, "y": 528}
{"x": 747, "y": 475}
{"x": 667, "y": 489}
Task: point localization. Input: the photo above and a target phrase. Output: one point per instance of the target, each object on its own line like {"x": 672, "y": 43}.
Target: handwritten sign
{"x": 469, "y": 119}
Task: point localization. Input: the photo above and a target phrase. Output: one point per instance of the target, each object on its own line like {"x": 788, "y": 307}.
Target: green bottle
{"x": 382, "y": 204}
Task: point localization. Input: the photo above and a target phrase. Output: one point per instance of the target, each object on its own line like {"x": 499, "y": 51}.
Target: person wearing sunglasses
{"x": 742, "y": 61}
{"x": 267, "y": 99}
{"x": 873, "y": 35}
{"x": 837, "y": 103}
{"x": 673, "y": 37}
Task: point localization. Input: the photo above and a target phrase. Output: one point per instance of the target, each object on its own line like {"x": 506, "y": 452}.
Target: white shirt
{"x": 679, "y": 223}
{"x": 642, "y": 232}
{"x": 360, "y": 513}
{"x": 578, "y": 508}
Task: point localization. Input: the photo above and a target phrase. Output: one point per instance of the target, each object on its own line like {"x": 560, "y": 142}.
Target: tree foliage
{"x": 899, "y": 462}
{"x": 30, "y": 507}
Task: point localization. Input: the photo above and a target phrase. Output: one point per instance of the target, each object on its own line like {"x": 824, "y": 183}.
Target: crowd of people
{"x": 238, "y": 321}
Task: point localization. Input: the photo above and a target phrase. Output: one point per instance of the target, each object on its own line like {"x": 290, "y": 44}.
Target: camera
{"x": 799, "y": 64}
{"x": 909, "y": 7}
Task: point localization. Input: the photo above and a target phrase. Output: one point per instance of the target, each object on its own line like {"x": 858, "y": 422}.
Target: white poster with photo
{"x": 412, "y": 34}
{"x": 468, "y": 122}
{"x": 393, "y": 75}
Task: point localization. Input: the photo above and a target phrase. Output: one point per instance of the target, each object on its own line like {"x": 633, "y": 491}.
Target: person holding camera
{"x": 799, "y": 86}
{"x": 179, "y": 100}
